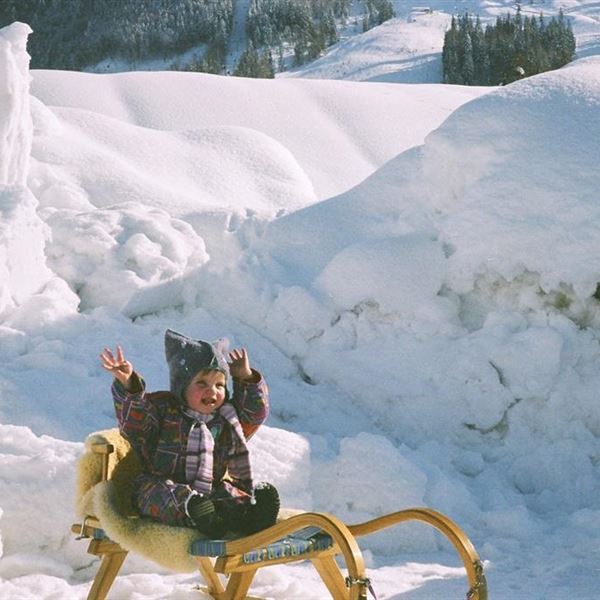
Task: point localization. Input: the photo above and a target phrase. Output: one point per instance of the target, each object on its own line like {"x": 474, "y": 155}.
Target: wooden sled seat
{"x": 228, "y": 566}
{"x": 307, "y": 540}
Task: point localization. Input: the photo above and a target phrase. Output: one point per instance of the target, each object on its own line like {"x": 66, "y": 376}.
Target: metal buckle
{"x": 81, "y": 535}
{"x": 365, "y": 582}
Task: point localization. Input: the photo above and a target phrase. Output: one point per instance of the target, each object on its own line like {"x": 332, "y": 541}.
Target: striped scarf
{"x": 200, "y": 448}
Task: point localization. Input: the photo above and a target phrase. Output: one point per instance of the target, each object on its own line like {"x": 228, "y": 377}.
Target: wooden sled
{"x": 228, "y": 566}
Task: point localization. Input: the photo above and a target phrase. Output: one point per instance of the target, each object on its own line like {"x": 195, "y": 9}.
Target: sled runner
{"x": 228, "y": 566}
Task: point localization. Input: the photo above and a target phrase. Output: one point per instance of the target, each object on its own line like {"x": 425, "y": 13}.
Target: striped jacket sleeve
{"x": 251, "y": 401}
{"x": 137, "y": 417}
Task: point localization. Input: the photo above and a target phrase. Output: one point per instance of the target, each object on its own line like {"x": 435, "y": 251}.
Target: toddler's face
{"x": 206, "y": 392}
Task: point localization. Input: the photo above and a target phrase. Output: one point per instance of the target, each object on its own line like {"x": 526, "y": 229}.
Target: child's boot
{"x": 264, "y": 512}
{"x": 202, "y": 512}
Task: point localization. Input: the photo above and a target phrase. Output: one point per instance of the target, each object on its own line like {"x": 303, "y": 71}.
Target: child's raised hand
{"x": 239, "y": 364}
{"x": 118, "y": 367}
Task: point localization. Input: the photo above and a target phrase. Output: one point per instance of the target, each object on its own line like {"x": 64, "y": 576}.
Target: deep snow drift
{"x": 430, "y": 335}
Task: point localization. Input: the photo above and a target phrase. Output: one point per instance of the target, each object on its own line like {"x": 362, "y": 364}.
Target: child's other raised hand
{"x": 118, "y": 367}
{"x": 239, "y": 364}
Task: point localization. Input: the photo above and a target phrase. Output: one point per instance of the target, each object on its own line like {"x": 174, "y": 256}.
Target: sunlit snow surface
{"x": 429, "y": 334}
{"x": 408, "y": 48}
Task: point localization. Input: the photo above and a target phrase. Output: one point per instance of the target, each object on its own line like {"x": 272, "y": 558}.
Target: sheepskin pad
{"x": 123, "y": 467}
{"x": 164, "y": 544}
{"x": 110, "y": 502}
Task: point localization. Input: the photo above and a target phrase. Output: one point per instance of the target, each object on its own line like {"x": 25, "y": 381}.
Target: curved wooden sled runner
{"x": 317, "y": 537}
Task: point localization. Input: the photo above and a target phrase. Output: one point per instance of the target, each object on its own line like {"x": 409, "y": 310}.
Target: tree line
{"x": 513, "y": 48}
{"x": 306, "y": 26}
{"x": 79, "y": 34}
{"x": 74, "y": 34}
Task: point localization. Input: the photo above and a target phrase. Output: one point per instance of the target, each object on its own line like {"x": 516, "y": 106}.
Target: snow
{"x": 393, "y": 260}
{"x": 398, "y": 51}
{"x": 22, "y": 232}
{"x": 408, "y": 48}
{"x": 15, "y": 126}
{"x": 411, "y": 266}
{"x": 369, "y": 126}
{"x": 238, "y": 39}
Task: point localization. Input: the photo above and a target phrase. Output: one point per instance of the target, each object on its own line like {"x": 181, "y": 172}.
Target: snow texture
{"x": 412, "y": 267}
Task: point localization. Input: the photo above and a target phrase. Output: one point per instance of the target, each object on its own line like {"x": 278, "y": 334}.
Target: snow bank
{"x": 528, "y": 176}
{"x": 337, "y": 132}
{"x": 430, "y": 297}
{"x": 108, "y": 255}
{"x": 16, "y": 130}
{"x": 22, "y": 240}
{"x": 38, "y": 478}
{"x": 505, "y": 177}
{"x": 111, "y": 162}
{"x": 23, "y": 270}
{"x": 353, "y": 275}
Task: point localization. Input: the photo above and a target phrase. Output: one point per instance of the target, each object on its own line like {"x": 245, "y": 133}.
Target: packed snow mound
{"x": 370, "y": 124}
{"x": 112, "y": 195}
{"x": 16, "y": 130}
{"x": 111, "y": 162}
{"x": 517, "y": 165}
{"x": 28, "y": 289}
{"x": 108, "y": 255}
{"x": 505, "y": 177}
{"x": 23, "y": 234}
{"x": 353, "y": 275}
{"x": 450, "y": 287}
{"x": 28, "y": 460}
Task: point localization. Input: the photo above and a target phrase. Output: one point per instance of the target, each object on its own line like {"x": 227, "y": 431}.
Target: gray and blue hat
{"x": 186, "y": 357}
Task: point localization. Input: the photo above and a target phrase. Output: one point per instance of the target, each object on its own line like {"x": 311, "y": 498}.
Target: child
{"x": 191, "y": 441}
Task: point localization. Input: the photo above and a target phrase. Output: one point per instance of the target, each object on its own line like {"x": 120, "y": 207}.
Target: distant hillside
{"x": 182, "y": 34}
{"x": 408, "y": 49}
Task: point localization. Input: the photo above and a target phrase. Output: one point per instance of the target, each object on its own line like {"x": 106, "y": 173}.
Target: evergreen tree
{"x": 481, "y": 63}
{"x": 255, "y": 64}
{"x": 512, "y": 48}
{"x": 468, "y": 68}
{"x": 450, "y": 60}
{"x": 77, "y": 34}
{"x": 376, "y": 13}
{"x": 566, "y": 40}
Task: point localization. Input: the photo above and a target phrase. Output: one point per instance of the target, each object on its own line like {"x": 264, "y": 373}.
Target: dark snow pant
{"x": 165, "y": 500}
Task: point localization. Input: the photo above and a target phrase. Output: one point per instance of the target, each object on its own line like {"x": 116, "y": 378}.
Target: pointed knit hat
{"x": 186, "y": 357}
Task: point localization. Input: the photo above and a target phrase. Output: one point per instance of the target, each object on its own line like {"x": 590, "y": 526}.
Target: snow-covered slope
{"x": 346, "y": 131}
{"x": 430, "y": 334}
{"x": 408, "y": 49}
{"x": 399, "y": 51}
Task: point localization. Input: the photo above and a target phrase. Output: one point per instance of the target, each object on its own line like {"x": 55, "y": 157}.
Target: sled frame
{"x": 229, "y": 577}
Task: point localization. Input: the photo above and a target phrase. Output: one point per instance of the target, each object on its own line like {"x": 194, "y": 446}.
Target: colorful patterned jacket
{"x": 157, "y": 429}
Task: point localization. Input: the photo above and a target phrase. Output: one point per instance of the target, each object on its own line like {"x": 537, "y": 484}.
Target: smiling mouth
{"x": 209, "y": 402}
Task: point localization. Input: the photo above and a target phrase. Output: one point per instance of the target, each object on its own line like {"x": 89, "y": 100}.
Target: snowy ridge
{"x": 429, "y": 333}
{"x": 367, "y": 124}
